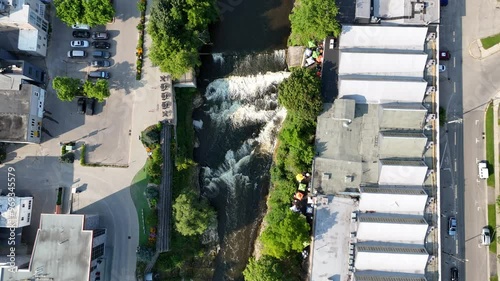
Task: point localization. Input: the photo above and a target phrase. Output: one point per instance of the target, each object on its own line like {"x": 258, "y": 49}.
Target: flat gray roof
{"x": 348, "y": 153}
{"x": 407, "y": 11}
{"x": 402, "y": 144}
{"x": 62, "y": 250}
{"x": 14, "y": 111}
{"x": 330, "y": 244}
{"x": 386, "y": 276}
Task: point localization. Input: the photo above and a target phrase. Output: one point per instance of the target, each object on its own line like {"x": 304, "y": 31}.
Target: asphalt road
{"x": 466, "y": 87}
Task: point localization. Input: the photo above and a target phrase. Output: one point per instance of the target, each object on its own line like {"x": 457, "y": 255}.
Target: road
{"x": 466, "y": 87}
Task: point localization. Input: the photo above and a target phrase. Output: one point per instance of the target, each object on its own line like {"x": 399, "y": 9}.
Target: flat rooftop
{"x": 61, "y": 252}
{"x": 407, "y": 11}
{"x": 330, "y": 247}
{"x": 348, "y": 152}
{"x": 14, "y": 111}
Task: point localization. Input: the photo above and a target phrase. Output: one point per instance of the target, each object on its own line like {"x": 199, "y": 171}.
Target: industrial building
{"x": 374, "y": 174}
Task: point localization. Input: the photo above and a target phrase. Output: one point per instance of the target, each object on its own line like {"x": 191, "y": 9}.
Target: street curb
{"x": 496, "y": 175}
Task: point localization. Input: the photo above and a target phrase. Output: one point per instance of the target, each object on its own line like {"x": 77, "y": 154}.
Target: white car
{"x": 442, "y": 68}
{"x": 485, "y": 236}
{"x": 79, "y": 43}
{"x": 331, "y": 43}
{"x": 80, "y": 26}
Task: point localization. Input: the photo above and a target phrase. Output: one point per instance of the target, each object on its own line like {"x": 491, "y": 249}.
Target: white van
{"x": 77, "y": 54}
{"x": 81, "y": 26}
{"x": 485, "y": 236}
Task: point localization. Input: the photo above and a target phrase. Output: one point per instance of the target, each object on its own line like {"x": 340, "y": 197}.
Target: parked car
{"x": 101, "y": 54}
{"x": 100, "y": 36}
{"x": 101, "y": 63}
{"x": 454, "y": 274}
{"x": 442, "y": 68}
{"x": 485, "y": 236}
{"x": 81, "y": 106}
{"x": 444, "y": 3}
{"x": 77, "y": 54}
{"x": 101, "y": 45}
{"x": 79, "y": 43}
{"x": 80, "y": 26}
{"x": 99, "y": 74}
{"x": 452, "y": 226}
{"x": 89, "y": 110}
{"x": 444, "y": 55}
{"x": 81, "y": 34}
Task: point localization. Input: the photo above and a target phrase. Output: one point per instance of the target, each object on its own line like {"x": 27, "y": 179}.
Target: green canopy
{"x": 311, "y": 44}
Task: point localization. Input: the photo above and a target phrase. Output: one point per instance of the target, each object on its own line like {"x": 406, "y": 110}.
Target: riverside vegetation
{"x": 287, "y": 233}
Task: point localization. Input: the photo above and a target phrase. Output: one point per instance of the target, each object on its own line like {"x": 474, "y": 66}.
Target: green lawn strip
{"x": 490, "y": 41}
{"x": 492, "y": 222}
{"x": 490, "y": 145}
{"x": 139, "y": 184}
{"x": 494, "y": 278}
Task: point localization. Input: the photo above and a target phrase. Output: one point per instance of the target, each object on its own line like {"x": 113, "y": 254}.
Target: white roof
{"x": 382, "y": 64}
{"x": 391, "y": 261}
{"x": 383, "y": 37}
{"x": 411, "y": 232}
{"x": 392, "y": 173}
{"x": 382, "y": 91}
{"x": 393, "y": 203}
{"x": 28, "y": 39}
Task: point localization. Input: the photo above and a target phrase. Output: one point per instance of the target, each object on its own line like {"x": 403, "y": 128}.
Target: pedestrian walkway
{"x": 477, "y": 51}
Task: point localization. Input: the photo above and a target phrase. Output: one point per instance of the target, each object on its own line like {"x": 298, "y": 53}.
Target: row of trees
{"x": 178, "y": 29}
{"x": 287, "y": 233}
{"x": 313, "y": 20}
{"x": 68, "y": 88}
{"x": 91, "y": 12}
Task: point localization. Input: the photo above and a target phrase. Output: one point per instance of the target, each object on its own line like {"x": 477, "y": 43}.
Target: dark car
{"x": 444, "y": 55}
{"x": 101, "y": 63}
{"x": 100, "y": 36}
{"x": 101, "y": 45}
{"x": 99, "y": 74}
{"x": 101, "y": 54}
{"x": 444, "y": 3}
{"x": 454, "y": 274}
{"x": 89, "y": 109}
{"x": 81, "y": 106}
{"x": 81, "y": 34}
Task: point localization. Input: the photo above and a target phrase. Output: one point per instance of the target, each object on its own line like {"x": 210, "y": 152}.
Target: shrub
{"x": 68, "y": 158}
{"x": 82, "y": 155}
{"x": 140, "y": 26}
{"x": 59, "y": 196}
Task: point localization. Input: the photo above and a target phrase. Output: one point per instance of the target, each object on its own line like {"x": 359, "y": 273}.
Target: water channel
{"x": 239, "y": 120}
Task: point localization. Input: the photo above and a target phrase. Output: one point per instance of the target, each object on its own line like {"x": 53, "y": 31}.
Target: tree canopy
{"x": 66, "y": 87}
{"x": 98, "y": 90}
{"x": 192, "y": 216}
{"x": 313, "y": 20}
{"x": 91, "y": 12}
{"x": 177, "y": 28}
{"x": 289, "y": 234}
{"x": 265, "y": 269}
{"x": 300, "y": 94}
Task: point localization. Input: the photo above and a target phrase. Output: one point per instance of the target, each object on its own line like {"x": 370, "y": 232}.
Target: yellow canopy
{"x": 299, "y": 177}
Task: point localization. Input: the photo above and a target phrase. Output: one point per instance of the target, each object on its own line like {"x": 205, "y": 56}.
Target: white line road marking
{"x": 455, "y": 165}
{"x": 477, "y": 121}
{"x": 454, "y": 87}
{"x": 454, "y": 61}
{"x": 477, "y": 140}
{"x": 478, "y": 180}
{"x": 455, "y": 138}
{"x": 477, "y": 160}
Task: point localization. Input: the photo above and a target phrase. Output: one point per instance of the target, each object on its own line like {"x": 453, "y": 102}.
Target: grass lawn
{"x": 139, "y": 184}
{"x": 492, "y": 224}
{"x": 490, "y": 41}
{"x": 490, "y": 146}
{"x": 494, "y": 278}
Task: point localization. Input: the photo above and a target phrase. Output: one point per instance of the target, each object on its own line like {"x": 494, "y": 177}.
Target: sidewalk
{"x": 477, "y": 51}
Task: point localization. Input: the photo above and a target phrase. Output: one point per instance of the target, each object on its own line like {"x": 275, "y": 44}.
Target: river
{"x": 238, "y": 122}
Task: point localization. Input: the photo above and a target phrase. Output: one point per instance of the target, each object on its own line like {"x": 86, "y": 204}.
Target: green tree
{"x": 69, "y": 11}
{"x": 313, "y": 20}
{"x": 289, "y": 234}
{"x": 98, "y": 90}
{"x": 300, "y": 94}
{"x": 97, "y": 12}
{"x": 66, "y": 87}
{"x": 192, "y": 216}
{"x": 265, "y": 269}
{"x": 91, "y": 12}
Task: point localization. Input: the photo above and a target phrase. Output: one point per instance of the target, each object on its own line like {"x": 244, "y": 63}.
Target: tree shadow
{"x": 126, "y": 72}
